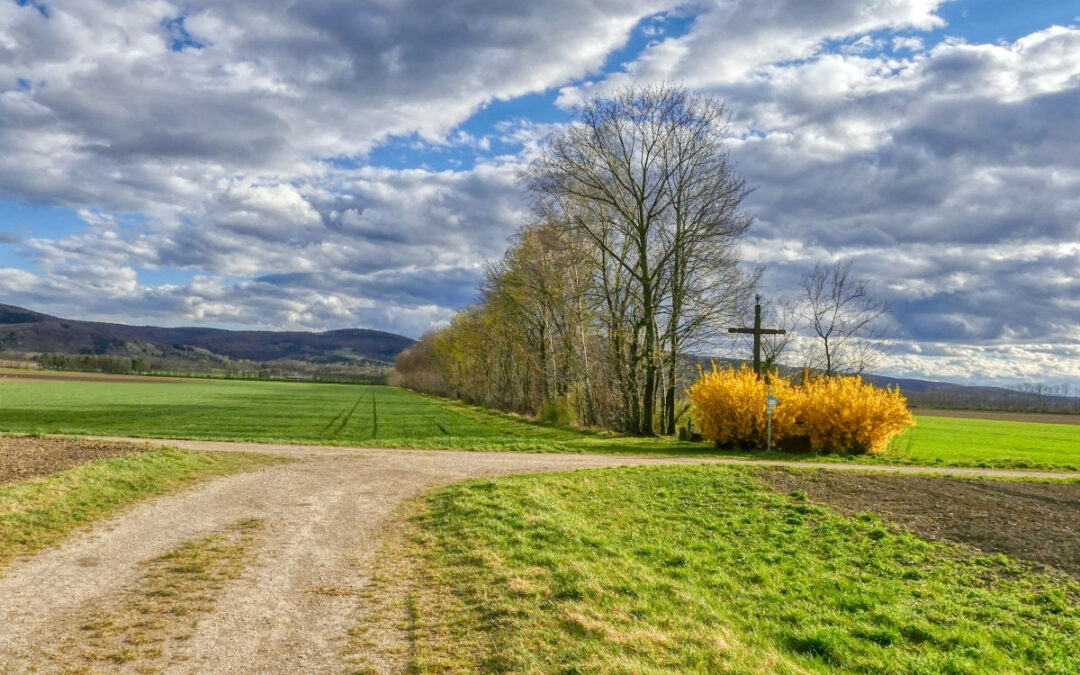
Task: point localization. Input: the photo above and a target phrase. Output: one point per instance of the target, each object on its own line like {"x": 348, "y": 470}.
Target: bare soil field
{"x": 1037, "y": 522}
{"x": 23, "y": 457}
{"x": 1040, "y": 418}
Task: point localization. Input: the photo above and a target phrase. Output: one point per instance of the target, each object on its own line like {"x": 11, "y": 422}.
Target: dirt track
{"x": 323, "y": 521}
{"x": 74, "y": 376}
{"x": 290, "y": 609}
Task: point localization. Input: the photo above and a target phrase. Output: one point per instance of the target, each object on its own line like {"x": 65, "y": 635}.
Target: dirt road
{"x": 289, "y": 609}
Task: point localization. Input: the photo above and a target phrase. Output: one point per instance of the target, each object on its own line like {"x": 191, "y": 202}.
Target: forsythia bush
{"x": 839, "y": 414}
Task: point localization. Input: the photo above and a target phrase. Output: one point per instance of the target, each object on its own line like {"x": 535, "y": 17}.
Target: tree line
{"x": 1028, "y": 397}
{"x": 631, "y": 260}
{"x": 629, "y": 266}
{"x": 220, "y": 367}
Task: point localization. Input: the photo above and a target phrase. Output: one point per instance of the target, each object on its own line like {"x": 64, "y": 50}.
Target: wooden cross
{"x": 757, "y": 331}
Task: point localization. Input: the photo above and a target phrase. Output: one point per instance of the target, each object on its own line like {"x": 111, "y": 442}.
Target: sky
{"x": 321, "y": 164}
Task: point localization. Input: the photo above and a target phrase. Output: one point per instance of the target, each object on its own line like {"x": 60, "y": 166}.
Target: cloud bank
{"x": 220, "y": 156}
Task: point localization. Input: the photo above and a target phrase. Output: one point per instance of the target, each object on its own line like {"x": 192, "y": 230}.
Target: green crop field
{"x": 990, "y": 443}
{"x": 389, "y": 417}
{"x": 284, "y": 411}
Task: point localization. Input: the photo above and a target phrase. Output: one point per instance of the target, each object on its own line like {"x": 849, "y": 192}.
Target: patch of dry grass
{"x": 381, "y": 641}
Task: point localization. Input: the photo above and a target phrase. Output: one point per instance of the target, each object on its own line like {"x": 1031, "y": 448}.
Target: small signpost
{"x": 770, "y": 405}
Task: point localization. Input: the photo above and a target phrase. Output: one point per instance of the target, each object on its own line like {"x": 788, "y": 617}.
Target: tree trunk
{"x": 648, "y": 407}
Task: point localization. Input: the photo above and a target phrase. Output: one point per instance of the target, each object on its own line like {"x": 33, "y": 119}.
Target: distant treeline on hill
{"x": 1030, "y": 398}
{"x": 348, "y": 355}
{"x": 225, "y": 369}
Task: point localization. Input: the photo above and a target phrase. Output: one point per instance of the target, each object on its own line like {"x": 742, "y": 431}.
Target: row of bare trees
{"x": 631, "y": 261}
{"x": 630, "y": 264}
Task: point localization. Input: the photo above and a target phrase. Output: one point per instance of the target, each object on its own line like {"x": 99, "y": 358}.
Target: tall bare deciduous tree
{"x": 643, "y": 178}
{"x": 840, "y": 312}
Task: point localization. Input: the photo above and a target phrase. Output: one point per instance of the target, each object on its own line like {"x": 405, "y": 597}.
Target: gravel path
{"x": 290, "y": 611}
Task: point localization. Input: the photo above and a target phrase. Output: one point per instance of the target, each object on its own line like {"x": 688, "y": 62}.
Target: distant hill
{"x": 949, "y": 395}
{"x": 24, "y": 330}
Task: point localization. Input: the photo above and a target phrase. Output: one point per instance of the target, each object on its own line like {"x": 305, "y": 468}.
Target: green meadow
{"x": 390, "y": 417}
{"x": 707, "y": 570}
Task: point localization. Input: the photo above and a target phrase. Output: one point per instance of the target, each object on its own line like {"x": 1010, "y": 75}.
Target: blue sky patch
{"x": 177, "y": 35}
{"x": 39, "y": 6}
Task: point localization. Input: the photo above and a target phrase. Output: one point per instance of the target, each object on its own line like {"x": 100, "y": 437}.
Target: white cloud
{"x": 907, "y": 43}
{"x": 729, "y": 41}
{"x": 212, "y": 122}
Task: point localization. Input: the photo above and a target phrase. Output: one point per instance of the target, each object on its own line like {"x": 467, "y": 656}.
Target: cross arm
{"x": 759, "y": 331}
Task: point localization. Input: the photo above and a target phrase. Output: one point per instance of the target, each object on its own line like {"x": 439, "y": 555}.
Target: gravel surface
{"x": 290, "y": 610}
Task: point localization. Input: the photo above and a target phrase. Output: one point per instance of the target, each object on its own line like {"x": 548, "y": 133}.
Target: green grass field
{"x": 389, "y": 417}
{"x": 990, "y": 443}
{"x": 707, "y": 570}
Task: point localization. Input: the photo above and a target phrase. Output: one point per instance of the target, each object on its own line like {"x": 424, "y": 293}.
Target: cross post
{"x": 757, "y": 331}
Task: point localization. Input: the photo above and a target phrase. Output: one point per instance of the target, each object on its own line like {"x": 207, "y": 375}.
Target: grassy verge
{"x": 39, "y": 512}
{"x": 706, "y": 570}
{"x": 140, "y": 627}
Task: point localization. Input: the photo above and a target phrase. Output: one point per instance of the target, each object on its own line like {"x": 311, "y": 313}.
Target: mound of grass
{"x": 41, "y": 511}
{"x": 703, "y": 569}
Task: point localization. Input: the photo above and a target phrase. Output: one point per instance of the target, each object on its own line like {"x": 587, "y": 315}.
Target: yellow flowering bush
{"x": 838, "y": 414}
{"x": 726, "y": 404}
{"x": 845, "y": 414}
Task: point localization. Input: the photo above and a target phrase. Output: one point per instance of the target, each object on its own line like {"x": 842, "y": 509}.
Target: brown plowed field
{"x": 23, "y": 457}
{"x": 1042, "y": 418}
{"x": 1038, "y": 522}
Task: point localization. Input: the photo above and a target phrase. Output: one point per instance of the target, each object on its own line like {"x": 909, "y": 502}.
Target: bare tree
{"x": 840, "y": 312}
{"x": 643, "y": 179}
